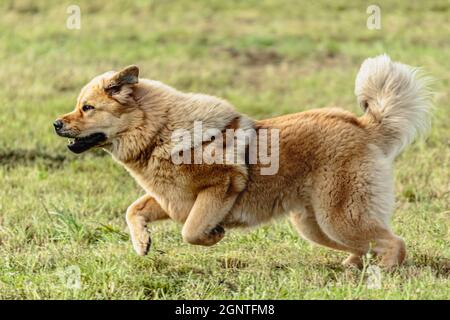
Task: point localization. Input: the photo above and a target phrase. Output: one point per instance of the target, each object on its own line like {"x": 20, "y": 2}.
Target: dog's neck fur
{"x": 164, "y": 110}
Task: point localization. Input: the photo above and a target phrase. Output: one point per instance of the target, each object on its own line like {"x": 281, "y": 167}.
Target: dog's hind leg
{"x": 306, "y": 224}
{"x": 367, "y": 235}
{"x": 356, "y": 215}
{"x": 139, "y": 214}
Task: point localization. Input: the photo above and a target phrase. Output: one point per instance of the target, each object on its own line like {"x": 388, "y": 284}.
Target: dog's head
{"x": 105, "y": 109}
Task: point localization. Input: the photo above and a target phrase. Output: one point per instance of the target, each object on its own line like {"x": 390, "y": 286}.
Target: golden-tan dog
{"x": 333, "y": 174}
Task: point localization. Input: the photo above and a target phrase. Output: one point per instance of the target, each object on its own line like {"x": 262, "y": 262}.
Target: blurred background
{"x": 268, "y": 58}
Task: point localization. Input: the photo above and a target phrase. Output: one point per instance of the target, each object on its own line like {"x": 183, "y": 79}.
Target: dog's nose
{"x": 58, "y": 124}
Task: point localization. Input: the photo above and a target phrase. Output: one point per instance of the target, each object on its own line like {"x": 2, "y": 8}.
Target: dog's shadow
{"x": 439, "y": 265}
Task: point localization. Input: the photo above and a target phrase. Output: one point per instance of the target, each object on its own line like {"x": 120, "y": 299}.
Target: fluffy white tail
{"x": 396, "y": 99}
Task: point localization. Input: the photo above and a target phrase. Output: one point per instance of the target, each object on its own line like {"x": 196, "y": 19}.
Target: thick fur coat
{"x": 334, "y": 176}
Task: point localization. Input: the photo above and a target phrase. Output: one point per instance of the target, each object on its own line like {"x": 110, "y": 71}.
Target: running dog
{"x": 334, "y": 175}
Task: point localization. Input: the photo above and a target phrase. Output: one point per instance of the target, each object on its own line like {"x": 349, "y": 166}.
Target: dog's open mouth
{"x": 79, "y": 145}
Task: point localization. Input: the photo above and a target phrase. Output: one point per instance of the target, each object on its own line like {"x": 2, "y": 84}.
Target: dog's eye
{"x": 87, "y": 107}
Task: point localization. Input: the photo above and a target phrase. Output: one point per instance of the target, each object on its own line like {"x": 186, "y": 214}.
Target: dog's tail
{"x": 397, "y": 102}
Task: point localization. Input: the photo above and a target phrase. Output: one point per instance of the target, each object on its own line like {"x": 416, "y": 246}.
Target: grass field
{"x": 62, "y": 215}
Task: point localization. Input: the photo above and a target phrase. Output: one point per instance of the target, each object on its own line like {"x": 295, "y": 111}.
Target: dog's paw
{"x": 142, "y": 244}
{"x": 353, "y": 261}
{"x": 215, "y": 235}
{"x": 208, "y": 238}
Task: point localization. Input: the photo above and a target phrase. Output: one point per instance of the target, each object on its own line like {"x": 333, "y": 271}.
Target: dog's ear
{"x": 120, "y": 83}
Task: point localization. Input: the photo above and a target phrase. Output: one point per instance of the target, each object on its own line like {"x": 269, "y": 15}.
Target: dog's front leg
{"x": 202, "y": 226}
{"x": 139, "y": 214}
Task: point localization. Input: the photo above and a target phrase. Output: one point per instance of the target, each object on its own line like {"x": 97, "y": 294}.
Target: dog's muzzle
{"x": 79, "y": 144}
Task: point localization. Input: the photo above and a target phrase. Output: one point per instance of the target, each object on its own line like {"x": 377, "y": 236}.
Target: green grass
{"x": 59, "y": 211}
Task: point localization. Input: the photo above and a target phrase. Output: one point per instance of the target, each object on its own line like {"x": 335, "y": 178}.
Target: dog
{"x": 334, "y": 176}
